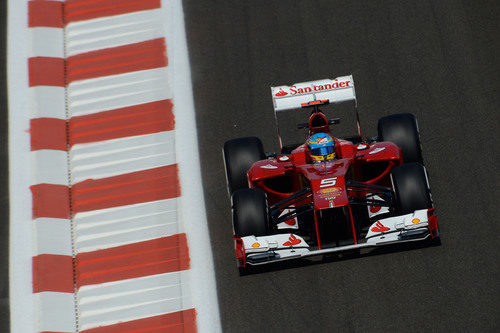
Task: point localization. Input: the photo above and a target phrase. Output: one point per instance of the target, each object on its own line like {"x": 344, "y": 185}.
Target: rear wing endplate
{"x": 336, "y": 90}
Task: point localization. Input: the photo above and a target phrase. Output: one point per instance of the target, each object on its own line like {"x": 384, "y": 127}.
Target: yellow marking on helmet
{"x": 318, "y": 157}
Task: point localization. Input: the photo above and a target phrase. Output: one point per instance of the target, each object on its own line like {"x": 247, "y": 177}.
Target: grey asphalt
{"x": 4, "y": 177}
{"x": 437, "y": 59}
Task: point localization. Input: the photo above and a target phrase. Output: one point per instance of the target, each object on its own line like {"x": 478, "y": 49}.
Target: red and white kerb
{"x": 111, "y": 254}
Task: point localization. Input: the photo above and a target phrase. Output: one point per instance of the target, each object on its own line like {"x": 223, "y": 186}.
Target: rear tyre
{"x": 411, "y": 188}
{"x": 250, "y": 213}
{"x": 402, "y": 129}
{"x": 239, "y": 155}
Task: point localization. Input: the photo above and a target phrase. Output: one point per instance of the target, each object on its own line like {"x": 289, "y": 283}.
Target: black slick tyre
{"x": 402, "y": 130}
{"x": 250, "y": 213}
{"x": 239, "y": 155}
{"x": 411, "y": 188}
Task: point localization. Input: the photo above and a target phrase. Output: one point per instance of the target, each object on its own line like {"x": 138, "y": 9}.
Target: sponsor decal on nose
{"x": 379, "y": 227}
{"x": 292, "y": 240}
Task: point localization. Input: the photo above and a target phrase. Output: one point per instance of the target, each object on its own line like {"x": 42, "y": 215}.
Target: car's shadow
{"x": 329, "y": 258}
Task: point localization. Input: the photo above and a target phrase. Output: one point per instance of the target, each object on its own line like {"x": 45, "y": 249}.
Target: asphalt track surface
{"x": 436, "y": 59}
{"x": 4, "y": 177}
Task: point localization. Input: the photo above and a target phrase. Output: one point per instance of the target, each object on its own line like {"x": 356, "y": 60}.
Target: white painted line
{"x": 118, "y": 91}
{"x": 192, "y": 209}
{"x": 123, "y": 225}
{"x": 52, "y": 236}
{"x": 55, "y": 312}
{"x": 113, "y": 31}
{"x": 126, "y": 300}
{"x": 119, "y": 156}
{"x": 51, "y": 167}
{"x": 22, "y": 314}
{"x": 46, "y": 42}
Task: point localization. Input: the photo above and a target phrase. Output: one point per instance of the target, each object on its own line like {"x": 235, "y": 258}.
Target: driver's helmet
{"x": 321, "y": 147}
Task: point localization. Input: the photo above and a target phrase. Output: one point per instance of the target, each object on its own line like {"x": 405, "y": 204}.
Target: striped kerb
{"x": 46, "y": 71}
{"x": 50, "y": 200}
{"x": 177, "y": 322}
{"x": 117, "y": 60}
{"x": 43, "y": 13}
{"x": 53, "y": 273}
{"x": 129, "y": 121}
{"x": 136, "y": 187}
{"x": 162, "y": 255}
{"x": 48, "y": 133}
{"x": 124, "y": 182}
{"x": 79, "y": 10}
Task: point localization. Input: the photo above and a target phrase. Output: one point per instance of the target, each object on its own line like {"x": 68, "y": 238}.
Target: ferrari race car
{"x": 287, "y": 206}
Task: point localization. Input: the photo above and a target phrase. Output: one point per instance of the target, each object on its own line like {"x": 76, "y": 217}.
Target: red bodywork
{"x": 283, "y": 176}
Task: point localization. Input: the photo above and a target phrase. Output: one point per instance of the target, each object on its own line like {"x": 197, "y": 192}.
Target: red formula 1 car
{"x": 286, "y": 206}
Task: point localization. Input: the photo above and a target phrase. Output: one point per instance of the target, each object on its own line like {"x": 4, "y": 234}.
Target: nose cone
{"x": 329, "y": 192}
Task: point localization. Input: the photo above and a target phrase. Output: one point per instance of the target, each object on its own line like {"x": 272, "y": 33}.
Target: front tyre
{"x": 402, "y": 130}
{"x": 411, "y": 188}
{"x": 239, "y": 155}
{"x": 250, "y": 213}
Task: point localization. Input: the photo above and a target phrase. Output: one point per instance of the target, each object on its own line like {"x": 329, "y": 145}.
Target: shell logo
{"x": 415, "y": 221}
{"x": 330, "y": 190}
{"x": 255, "y": 245}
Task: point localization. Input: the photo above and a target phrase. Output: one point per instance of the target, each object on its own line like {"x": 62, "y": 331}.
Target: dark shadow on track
{"x": 4, "y": 177}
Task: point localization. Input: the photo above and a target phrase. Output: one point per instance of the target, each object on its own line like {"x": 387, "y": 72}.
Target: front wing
{"x": 417, "y": 226}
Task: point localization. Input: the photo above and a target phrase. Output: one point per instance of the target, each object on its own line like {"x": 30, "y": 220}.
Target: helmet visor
{"x": 322, "y": 151}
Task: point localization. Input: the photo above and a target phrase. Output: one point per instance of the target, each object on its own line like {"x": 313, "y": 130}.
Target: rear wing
{"x": 336, "y": 90}
{"x": 314, "y": 93}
